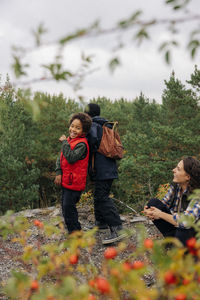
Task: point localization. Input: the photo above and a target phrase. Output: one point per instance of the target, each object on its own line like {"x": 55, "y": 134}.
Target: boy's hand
{"x": 57, "y": 180}
{"x": 62, "y": 138}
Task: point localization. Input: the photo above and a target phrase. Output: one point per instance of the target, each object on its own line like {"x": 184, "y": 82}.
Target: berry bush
{"x": 55, "y": 267}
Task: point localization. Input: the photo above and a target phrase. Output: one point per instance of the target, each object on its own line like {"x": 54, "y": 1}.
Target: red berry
{"x": 186, "y": 281}
{"x": 137, "y": 264}
{"x": 191, "y": 242}
{"x": 110, "y": 253}
{"x": 103, "y": 285}
{"x": 170, "y": 277}
{"x": 91, "y": 283}
{"x": 193, "y": 251}
{"x": 38, "y": 223}
{"x": 34, "y": 285}
{"x": 73, "y": 259}
{"x": 181, "y": 297}
{"x": 148, "y": 243}
{"x": 126, "y": 266}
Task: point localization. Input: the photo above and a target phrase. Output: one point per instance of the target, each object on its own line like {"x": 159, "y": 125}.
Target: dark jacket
{"x": 104, "y": 167}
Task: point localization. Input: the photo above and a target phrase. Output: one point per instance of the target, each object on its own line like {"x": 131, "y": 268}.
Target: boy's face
{"x": 75, "y": 129}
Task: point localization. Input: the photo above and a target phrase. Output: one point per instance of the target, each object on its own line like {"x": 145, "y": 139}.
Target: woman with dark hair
{"x": 166, "y": 213}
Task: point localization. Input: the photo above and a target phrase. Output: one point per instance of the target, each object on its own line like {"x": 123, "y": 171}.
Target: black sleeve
{"x": 79, "y": 152}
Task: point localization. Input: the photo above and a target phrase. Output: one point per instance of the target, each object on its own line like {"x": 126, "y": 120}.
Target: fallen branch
{"x": 127, "y": 206}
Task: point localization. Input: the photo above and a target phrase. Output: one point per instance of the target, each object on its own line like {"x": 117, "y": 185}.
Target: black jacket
{"x": 104, "y": 167}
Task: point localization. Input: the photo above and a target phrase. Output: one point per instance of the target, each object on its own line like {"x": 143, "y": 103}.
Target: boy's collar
{"x": 78, "y": 137}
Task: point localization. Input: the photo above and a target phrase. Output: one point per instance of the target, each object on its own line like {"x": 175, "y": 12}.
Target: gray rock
{"x": 138, "y": 219}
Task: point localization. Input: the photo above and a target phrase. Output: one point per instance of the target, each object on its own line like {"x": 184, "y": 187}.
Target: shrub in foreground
{"x": 64, "y": 269}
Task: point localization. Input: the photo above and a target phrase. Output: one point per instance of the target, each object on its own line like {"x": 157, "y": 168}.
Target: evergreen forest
{"x": 155, "y": 137}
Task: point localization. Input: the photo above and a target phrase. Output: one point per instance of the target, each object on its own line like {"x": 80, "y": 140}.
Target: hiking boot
{"x": 88, "y": 227}
{"x": 115, "y": 235}
{"x": 101, "y": 226}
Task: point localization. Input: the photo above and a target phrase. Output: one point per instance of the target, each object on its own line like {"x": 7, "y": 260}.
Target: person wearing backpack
{"x": 102, "y": 170}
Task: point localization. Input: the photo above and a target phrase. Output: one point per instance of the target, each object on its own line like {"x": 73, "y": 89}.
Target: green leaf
{"x": 163, "y": 46}
{"x": 174, "y": 43}
{"x": 38, "y": 33}
{"x": 135, "y": 15}
{"x": 176, "y": 7}
{"x": 142, "y": 34}
{"x": 167, "y": 56}
{"x": 130, "y": 21}
{"x": 69, "y": 285}
{"x": 113, "y": 64}
{"x": 193, "y": 52}
{"x": 18, "y": 67}
{"x": 68, "y": 38}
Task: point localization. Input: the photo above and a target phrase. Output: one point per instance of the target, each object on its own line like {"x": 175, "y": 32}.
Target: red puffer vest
{"x": 74, "y": 175}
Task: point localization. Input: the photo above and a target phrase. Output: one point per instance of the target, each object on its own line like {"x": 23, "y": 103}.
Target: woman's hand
{"x": 62, "y": 138}
{"x": 152, "y": 212}
{"x": 146, "y": 211}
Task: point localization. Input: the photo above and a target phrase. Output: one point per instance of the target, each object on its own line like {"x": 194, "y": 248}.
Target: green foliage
{"x": 57, "y": 72}
{"x": 18, "y": 67}
{"x": 64, "y": 269}
{"x": 41, "y": 30}
{"x": 18, "y": 173}
{"x": 155, "y": 136}
{"x": 195, "y": 79}
{"x": 177, "y": 4}
{"x": 114, "y": 63}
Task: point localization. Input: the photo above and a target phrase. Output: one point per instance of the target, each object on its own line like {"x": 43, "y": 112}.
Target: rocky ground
{"x": 9, "y": 252}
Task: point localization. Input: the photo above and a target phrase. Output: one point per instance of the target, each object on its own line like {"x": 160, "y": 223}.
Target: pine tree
{"x": 18, "y": 174}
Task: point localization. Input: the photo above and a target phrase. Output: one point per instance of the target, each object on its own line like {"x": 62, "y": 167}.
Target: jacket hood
{"x": 99, "y": 120}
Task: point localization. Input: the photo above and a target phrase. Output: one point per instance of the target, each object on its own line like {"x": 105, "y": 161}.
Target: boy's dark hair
{"x": 192, "y": 167}
{"x": 85, "y": 120}
{"x": 92, "y": 109}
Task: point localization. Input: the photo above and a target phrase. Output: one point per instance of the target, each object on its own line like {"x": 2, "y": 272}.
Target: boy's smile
{"x": 75, "y": 129}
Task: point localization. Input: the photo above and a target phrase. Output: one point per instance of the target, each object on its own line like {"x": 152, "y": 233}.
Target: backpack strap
{"x": 114, "y": 124}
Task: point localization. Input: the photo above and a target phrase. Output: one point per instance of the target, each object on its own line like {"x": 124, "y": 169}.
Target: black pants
{"x": 69, "y": 210}
{"x": 104, "y": 207}
{"x": 166, "y": 228}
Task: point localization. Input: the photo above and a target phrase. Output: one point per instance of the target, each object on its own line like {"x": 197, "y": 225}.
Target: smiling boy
{"x": 71, "y": 168}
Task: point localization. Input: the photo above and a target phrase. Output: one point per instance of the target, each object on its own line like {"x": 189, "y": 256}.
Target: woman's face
{"x": 75, "y": 129}
{"x": 180, "y": 176}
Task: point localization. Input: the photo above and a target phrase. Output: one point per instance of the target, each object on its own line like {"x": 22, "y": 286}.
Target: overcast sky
{"x": 143, "y": 68}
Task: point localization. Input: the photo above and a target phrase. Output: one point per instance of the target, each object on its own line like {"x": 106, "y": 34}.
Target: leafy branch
{"x": 56, "y": 70}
